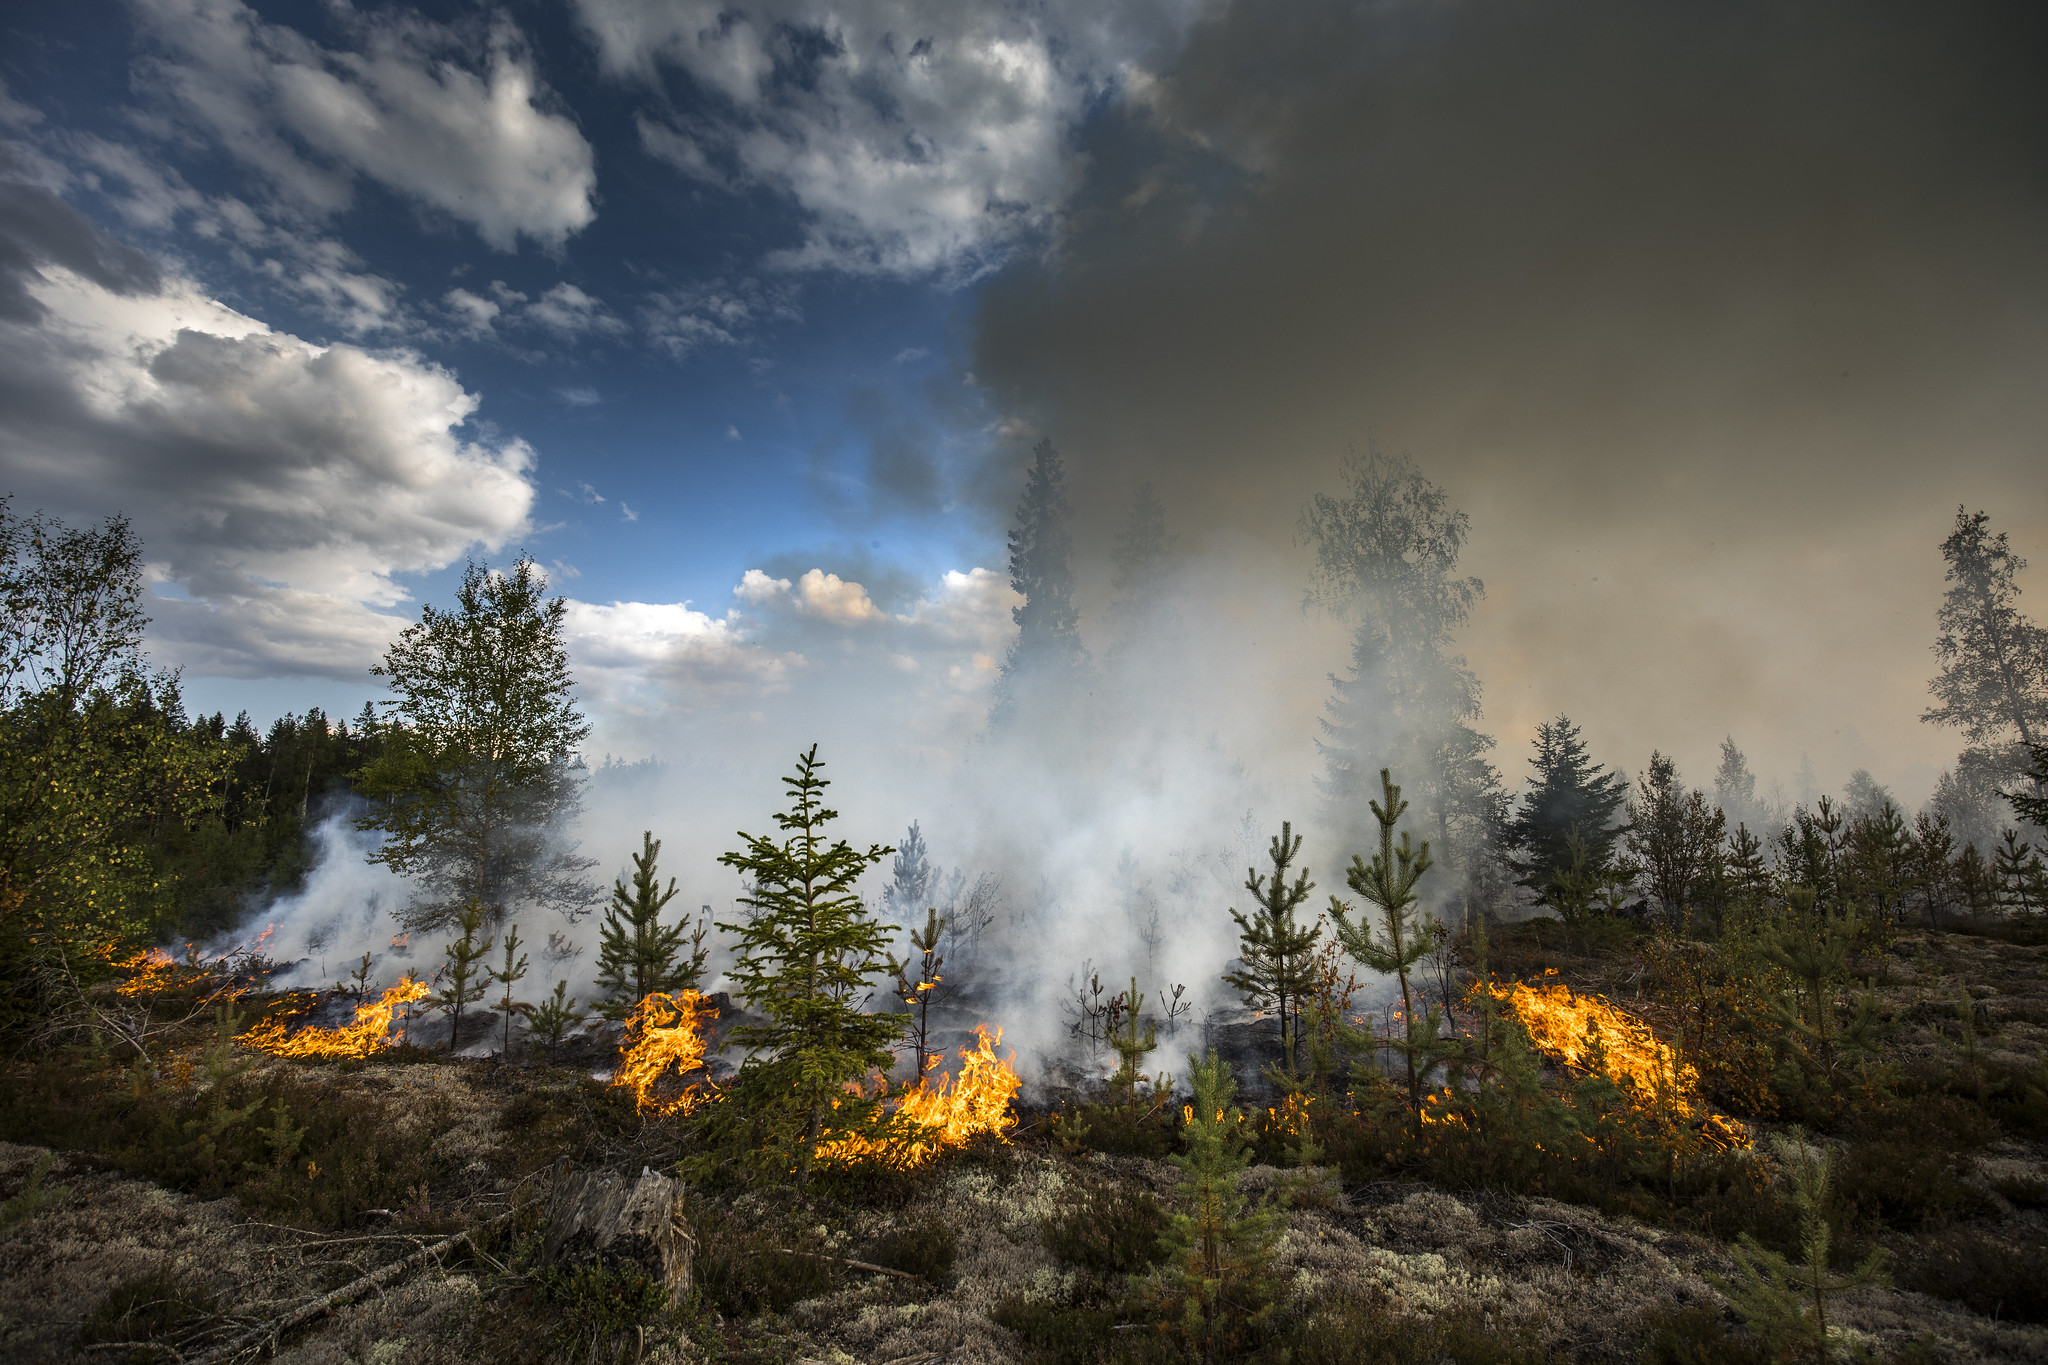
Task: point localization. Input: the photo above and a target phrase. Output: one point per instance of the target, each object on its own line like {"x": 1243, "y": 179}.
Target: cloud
{"x": 716, "y": 313}
{"x": 580, "y": 396}
{"x": 636, "y": 656}
{"x": 283, "y": 486}
{"x": 455, "y": 120}
{"x": 626, "y": 513}
{"x": 916, "y": 138}
{"x": 570, "y": 313}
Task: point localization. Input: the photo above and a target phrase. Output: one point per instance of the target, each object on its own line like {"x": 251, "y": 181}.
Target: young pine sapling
{"x": 508, "y": 976}
{"x": 1276, "y": 950}
{"x": 463, "y": 975}
{"x": 1389, "y": 883}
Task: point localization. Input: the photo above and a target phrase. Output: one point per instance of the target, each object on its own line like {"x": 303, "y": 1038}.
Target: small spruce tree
{"x": 2022, "y": 876}
{"x": 464, "y": 975}
{"x": 1389, "y": 883}
{"x": 805, "y": 957}
{"x": 637, "y": 955}
{"x": 1276, "y": 949}
{"x": 554, "y": 1017}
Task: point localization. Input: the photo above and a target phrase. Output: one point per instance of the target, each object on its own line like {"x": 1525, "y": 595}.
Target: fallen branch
{"x": 376, "y": 1279}
{"x": 857, "y": 1265}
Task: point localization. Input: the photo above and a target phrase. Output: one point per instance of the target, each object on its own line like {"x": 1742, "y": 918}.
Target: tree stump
{"x": 601, "y": 1217}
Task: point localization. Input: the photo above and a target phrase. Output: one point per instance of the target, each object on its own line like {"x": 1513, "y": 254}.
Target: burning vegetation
{"x": 663, "y": 1043}
{"x": 927, "y": 1120}
{"x": 369, "y": 1033}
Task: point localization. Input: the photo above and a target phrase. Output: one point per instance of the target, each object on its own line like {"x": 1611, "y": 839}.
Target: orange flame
{"x": 942, "y": 1116}
{"x": 371, "y": 1031}
{"x": 153, "y": 970}
{"x": 1587, "y": 1033}
{"x": 662, "y": 1036}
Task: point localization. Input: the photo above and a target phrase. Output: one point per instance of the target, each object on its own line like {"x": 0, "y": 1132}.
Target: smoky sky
{"x": 1710, "y": 315}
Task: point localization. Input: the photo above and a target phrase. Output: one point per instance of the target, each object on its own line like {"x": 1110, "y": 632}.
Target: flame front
{"x": 943, "y": 1116}
{"x": 1587, "y": 1033}
{"x": 371, "y": 1031}
{"x": 662, "y": 1036}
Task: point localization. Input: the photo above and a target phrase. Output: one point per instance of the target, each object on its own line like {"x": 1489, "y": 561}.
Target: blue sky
{"x": 709, "y": 276}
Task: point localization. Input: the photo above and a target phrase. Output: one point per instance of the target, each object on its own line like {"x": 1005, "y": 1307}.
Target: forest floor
{"x": 145, "y": 1243}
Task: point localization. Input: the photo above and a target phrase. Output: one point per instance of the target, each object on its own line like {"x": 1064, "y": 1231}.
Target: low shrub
{"x": 1113, "y": 1230}
{"x": 1906, "y": 1186}
{"x": 1366, "y": 1330}
{"x": 1990, "y": 1275}
{"x": 601, "y": 1306}
{"x": 747, "y": 1266}
{"x": 1060, "y": 1335}
{"x": 156, "y": 1311}
{"x": 1698, "y": 1336}
{"x": 925, "y": 1249}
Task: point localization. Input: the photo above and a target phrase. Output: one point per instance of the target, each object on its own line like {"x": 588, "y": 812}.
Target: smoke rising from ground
{"x": 1708, "y": 316}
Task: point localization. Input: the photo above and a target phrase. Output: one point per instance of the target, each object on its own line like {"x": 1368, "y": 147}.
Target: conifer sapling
{"x": 1277, "y": 951}
{"x": 463, "y": 975}
{"x": 637, "y": 954}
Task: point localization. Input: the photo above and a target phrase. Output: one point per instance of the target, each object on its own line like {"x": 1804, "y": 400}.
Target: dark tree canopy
{"x": 1567, "y": 792}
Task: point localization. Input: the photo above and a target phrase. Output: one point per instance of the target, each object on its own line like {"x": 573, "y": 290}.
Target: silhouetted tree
{"x": 1993, "y": 680}
{"x": 1047, "y": 653}
{"x": 1676, "y": 836}
{"x": 1567, "y": 791}
{"x": 1387, "y": 554}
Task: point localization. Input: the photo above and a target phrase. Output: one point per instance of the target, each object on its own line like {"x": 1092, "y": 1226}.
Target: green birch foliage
{"x": 1277, "y": 950}
{"x": 95, "y": 755}
{"x": 477, "y": 771}
{"x": 637, "y": 955}
{"x": 805, "y": 956}
{"x": 1389, "y": 884}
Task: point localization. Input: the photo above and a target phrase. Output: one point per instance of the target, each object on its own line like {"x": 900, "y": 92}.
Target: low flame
{"x": 370, "y": 1033}
{"x": 946, "y": 1115}
{"x": 150, "y": 971}
{"x": 1587, "y": 1033}
{"x": 662, "y": 1037}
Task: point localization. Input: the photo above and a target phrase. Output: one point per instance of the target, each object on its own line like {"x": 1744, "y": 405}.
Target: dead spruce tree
{"x": 1277, "y": 951}
{"x": 805, "y": 959}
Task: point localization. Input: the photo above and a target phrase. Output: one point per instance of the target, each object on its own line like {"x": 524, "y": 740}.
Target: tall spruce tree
{"x": 1046, "y": 655}
{"x": 478, "y": 774}
{"x": 1276, "y": 950}
{"x": 806, "y": 956}
{"x": 1139, "y": 564}
{"x": 1387, "y": 555}
{"x": 1567, "y": 791}
{"x": 638, "y": 955}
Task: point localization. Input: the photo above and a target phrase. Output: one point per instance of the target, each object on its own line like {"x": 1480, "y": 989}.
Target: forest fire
{"x": 946, "y": 1115}
{"x": 1587, "y": 1033}
{"x": 369, "y": 1033}
{"x": 151, "y": 970}
{"x": 662, "y": 1037}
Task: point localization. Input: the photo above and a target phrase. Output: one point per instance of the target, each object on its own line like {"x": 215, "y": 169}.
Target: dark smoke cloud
{"x": 1709, "y": 314}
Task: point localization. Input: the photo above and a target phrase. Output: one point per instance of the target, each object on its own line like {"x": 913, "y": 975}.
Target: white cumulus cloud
{"x": 461, "y": 126}
{"x": 281, "y": 488}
